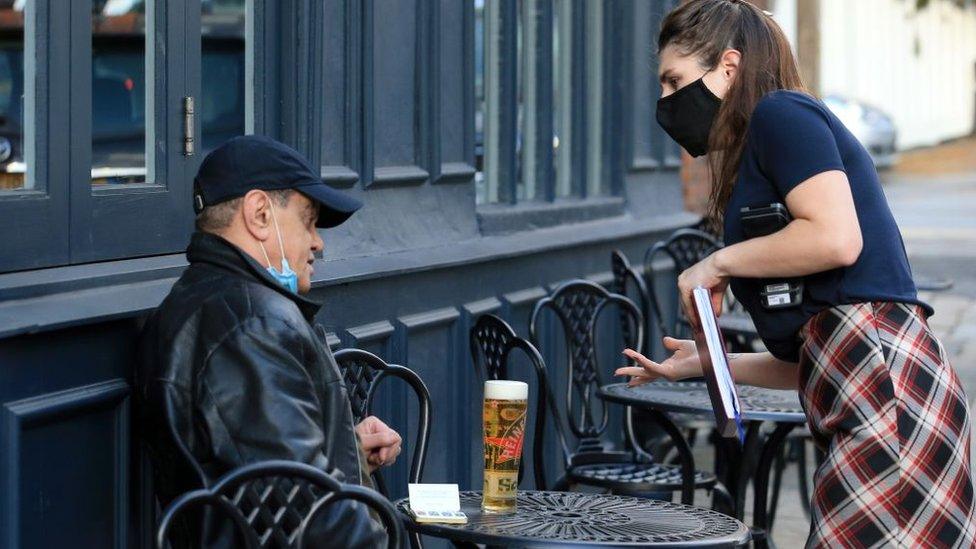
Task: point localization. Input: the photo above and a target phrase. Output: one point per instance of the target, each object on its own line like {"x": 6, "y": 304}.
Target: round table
{"x": 757, "y": 452}
{"x": 691, "y": 397}
{"x": 574, "y": 519}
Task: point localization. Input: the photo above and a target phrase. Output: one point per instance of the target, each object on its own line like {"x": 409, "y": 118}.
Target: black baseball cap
{"x": 251, "y": 162}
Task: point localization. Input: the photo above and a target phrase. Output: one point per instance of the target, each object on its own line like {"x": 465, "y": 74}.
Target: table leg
{"x": 684, "y": 452}
{"x": 741, "y": 470}
{"x": 772, "y": 447}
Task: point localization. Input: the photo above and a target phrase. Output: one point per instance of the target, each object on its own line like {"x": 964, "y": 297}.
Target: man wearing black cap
{"x": 231, "y": 370}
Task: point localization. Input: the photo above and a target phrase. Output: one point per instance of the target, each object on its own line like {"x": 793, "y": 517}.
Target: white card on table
{"x": 436, "y": 503}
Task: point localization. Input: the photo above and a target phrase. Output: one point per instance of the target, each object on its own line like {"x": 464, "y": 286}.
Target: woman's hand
{"x": 682, "y": 364}
{"x": 707, "y": 274}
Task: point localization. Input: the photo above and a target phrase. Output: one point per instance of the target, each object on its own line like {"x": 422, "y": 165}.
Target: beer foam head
{"x": 502, "y": 389}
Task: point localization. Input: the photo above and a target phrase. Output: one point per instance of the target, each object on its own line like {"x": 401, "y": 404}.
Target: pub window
{"x": 92, "y": 159}
{"x": 539, "y": 124}
{"x": 13, "y": 116}
{"x": 221, "y": 105}
{"x": 118, "y": 108}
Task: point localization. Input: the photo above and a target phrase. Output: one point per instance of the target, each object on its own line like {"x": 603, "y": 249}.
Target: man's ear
{"x": 256, "y": 213}
{"x": 729, "y": 64}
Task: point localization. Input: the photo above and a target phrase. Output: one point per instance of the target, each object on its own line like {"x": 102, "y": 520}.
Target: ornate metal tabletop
{"x": 758, "y": 404}
{"x": 568, "y": 519}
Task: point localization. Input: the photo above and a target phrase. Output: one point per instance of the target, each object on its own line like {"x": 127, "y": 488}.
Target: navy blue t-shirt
{"x": 791, "y": 138}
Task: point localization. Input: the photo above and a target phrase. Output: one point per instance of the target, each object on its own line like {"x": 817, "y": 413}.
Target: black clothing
{"x": 791, "y": 138}
{"x": 232, "y": 372}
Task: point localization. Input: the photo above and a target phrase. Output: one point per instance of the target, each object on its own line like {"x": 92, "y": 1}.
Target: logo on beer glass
{"x": 504, "y": 417}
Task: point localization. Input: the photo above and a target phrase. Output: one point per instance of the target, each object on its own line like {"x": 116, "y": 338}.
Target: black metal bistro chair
{"x": 685, "y": 247}
{"x": 626, "y": 281}
{"x": 363, "y": 372}
{"x": 273, "y": 504}
{"x": 492, "y": 342}
{"x": 577, "y": 305}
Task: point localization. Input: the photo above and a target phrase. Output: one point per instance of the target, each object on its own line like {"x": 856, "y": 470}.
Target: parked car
{"x": 874, "y": 128}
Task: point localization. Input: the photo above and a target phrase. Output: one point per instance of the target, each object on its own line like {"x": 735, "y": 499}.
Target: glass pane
{"x": 220, "y": 107}
{"x": 525, "y": 79}
{"x": 562, "y": 95}
{"x": 596, "y": 180}
{"x": 12, "y": 112}
{"x": 481, "y": 188}
{"x": 118, "y": 92}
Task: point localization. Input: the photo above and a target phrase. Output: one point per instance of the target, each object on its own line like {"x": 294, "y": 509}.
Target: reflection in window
{"x": 221, "y": 105}
{"x": 562, "y": 95}
{"x": 481, "y": 187}
{"x": 118, "y": 92}
{"x": 526, "y": 87}
{"x": 119, "y": 84}
{"x": 597, "y": 182}
{"x": 12, "y": 139}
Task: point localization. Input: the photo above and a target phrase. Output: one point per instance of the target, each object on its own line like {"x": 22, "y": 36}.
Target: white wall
{"x": 868, "y": 51}
{"x": 784, "y": 12}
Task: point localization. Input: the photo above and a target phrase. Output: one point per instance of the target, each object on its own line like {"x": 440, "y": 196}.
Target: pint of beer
{"x": 504, "y": 414}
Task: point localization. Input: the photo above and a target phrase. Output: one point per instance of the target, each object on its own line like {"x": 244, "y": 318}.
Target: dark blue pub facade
{"x": 500, "y": 146}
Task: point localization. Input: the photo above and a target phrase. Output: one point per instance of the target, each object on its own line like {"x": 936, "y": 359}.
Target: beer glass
{"x": 504, "y": 415}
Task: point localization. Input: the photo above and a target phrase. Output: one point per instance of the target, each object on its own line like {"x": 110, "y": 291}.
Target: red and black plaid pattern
{"x": 885, "y": 404}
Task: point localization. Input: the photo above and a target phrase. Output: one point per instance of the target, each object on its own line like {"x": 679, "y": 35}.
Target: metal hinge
{"x": 188, "y": 126}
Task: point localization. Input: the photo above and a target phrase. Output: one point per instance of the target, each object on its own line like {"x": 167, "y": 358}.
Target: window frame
{"x": 35, "y": 221}
{"x": 103, "y": 220}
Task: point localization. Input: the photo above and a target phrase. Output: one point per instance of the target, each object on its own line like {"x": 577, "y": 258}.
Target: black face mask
{"x": 687, "y": 115}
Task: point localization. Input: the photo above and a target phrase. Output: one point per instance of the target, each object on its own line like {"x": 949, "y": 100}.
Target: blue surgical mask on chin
{"x": 286, "y": 277}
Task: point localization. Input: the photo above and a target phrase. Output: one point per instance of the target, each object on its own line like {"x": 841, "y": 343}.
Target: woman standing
{"x": 879, "y": 393}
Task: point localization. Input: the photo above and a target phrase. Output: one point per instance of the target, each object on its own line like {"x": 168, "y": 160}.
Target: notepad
{"x": 715, "y": 368}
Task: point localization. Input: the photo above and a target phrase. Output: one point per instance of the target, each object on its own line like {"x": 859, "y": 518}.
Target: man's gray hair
{"x": 218, "y": 217}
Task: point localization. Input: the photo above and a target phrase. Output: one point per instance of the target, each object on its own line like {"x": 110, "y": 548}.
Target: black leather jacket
{"x": 231, "y": 372}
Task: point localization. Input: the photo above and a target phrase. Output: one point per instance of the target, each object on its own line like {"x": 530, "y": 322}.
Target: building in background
{"x": 879, "y": 61}
{"x": 917, "y": 65}
{"x": 108, "y": 107}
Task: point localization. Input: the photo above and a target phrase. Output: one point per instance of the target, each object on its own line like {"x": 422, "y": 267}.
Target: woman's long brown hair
{"x": 706, "y": 29}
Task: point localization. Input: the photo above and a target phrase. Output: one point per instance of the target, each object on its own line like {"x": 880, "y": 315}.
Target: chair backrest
{"x": 273, "y": 503}
{"x": 624, "y": 277}
{"x": 685, "y": 247}
{"x": 492, "y": 342}
{"x": 363, "y": 372}
{"x": 577, "y": 305}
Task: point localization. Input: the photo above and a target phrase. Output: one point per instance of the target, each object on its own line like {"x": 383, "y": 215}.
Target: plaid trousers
{"x": 883, "y": 401}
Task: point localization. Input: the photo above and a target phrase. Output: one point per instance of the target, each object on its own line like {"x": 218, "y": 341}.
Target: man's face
{"x": 299, "y": 236}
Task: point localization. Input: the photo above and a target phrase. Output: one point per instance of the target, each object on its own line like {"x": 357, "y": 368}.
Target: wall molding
{"x": 20, "y": 415}
{"x": 375, "y": 331}
{"x": 456, "y": 172}
{"x": 339, "y": 176}
{"x": 429, "y": 319}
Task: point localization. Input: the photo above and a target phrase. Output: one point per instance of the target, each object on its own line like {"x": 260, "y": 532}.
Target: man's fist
{"x": 380, "y": 443}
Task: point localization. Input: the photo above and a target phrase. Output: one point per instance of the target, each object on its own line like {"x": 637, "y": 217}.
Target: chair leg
{"x": 562, "y": 484}
{"x": 779, "y": 466}
{"x": 801, "y": 471}
{"x": 722, "y": 499}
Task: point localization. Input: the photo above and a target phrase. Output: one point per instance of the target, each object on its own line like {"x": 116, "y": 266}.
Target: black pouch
{"x": 762, "y": 221}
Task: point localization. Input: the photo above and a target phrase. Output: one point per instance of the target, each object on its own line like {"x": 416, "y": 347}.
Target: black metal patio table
{"x": 575, "y": 519}
{"x": 753, "y": 459}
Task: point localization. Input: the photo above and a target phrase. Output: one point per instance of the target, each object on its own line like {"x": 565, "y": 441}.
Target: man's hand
{"x": 380, "y": 443}
{"x": 682, "y": 364}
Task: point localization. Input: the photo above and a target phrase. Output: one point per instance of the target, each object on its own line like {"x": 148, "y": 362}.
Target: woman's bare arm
{"x": 758, "y": 369}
